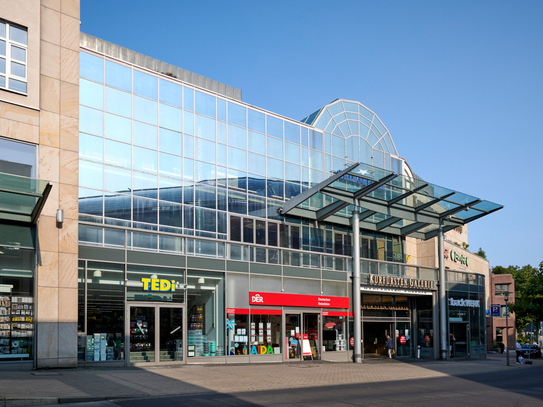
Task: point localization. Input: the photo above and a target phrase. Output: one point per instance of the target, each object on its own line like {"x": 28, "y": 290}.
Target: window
{"x": 501, "y": 289}
{"x": 13, "y": 45}
{"x": 17, "y": 158}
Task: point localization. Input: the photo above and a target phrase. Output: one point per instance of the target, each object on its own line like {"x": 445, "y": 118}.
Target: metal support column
{"x": 356, "y": 288}
{"x": 443, "y": 343}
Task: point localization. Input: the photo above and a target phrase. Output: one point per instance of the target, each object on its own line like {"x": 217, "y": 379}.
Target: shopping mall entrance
{"x": 459, "y": 340}
{"x": 156, "y": 333}
{"x": 375, "y": 338}
{"x": 303, "y": 335}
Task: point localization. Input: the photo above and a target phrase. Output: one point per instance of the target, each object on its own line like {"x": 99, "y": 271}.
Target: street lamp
{"x": 506, "y": 298}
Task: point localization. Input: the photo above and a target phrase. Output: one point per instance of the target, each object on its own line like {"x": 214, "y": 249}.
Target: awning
{"x": 22, "y": 198}
{"x": 387, "y": 203}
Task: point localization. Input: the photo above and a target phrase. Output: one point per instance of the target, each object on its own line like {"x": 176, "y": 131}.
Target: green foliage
{"x": 465, "y": 245}
{"x": 481, "y": 253}
{"x": 528, "y": 305}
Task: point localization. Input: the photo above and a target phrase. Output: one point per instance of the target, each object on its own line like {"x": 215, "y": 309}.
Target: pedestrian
{"x": 518, "y": 348}
{"x": 452, "y": 340}
{"x": 502, "y": 347}
{"x": 390, "y": 346}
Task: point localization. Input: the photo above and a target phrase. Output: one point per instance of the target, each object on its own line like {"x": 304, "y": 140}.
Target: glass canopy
{"x": 22, "y": 198}
{"x": 387, "y": 202}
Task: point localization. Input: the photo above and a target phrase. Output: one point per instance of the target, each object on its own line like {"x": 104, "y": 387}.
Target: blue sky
{"x": 459, "y": 84}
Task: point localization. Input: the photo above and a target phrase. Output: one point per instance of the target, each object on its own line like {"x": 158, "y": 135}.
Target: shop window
{"x": 236, "y": 333}
{"x": 17, "y": 158}
{"x": 13, "y": 57}
{"x": 333, "y": 331}
{"x": 16, "y": 303}
{"x": 265, "y": 334}
{"x": 105, "y": 312}
{"x": 205, "y": 308}
{"x": 425, "y": 324}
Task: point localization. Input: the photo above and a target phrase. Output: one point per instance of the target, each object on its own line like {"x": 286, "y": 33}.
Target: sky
{"x": 459, "y": 84}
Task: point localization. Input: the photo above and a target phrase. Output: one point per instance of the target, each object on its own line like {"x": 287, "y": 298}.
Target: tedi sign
{"x": 459, "y": 258}
{"x": 156, "y": 284}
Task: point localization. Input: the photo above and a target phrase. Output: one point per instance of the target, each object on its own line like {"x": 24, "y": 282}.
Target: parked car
{"x": 530, "y": 351}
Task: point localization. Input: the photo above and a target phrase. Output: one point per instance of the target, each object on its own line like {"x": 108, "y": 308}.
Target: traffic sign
{"x": 495, "y": 310}
{"x": 403, "y": 340}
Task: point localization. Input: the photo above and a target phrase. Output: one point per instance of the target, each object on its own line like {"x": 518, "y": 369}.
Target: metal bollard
{"x": 418, "y": 352}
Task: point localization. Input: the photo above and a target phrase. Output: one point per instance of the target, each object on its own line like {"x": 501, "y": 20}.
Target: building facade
{"x": 501, "y": 286}
{"x": 178, "y": 224}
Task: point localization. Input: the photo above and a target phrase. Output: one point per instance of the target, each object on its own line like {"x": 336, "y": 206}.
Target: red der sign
{"x": 306, "y": 336}
{"x": 352, "y": 341}
{"x": 403, "y": 340}
{"x": 298, "y": 300}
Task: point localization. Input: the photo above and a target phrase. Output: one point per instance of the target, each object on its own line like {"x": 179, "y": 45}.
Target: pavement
{"x": 62, "y": 386}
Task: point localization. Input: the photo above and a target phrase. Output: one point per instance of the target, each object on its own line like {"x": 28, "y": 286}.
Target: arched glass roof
{"x": 366, "y": 137}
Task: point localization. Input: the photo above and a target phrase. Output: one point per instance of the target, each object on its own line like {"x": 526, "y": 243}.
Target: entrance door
{"x": 311, "y": 337}
{"x": 459, "y": 340}
{"x": 156, "y": 333}
{"x": 302, "y": 336}
{"x": 293, "y": 336}
{"x": 375, "y": 338}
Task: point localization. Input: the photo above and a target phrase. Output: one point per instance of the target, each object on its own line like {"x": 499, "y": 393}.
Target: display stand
{"x": 16, "y": 326}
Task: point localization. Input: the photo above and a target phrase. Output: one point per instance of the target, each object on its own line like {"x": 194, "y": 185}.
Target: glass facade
{"x": 183, "y": 186}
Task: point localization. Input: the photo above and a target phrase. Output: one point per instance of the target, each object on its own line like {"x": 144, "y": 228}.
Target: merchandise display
{"x": 16, "y": 326}
{"x": 196, "y": 340}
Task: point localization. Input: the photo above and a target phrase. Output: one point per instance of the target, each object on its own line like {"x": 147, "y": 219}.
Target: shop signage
{"x": 386, "y": 307}
{"x": 298, "y": 300}
{"x": 387, "y": 281}
{"x": 157, "y": 284}
{"x": 463, "y": 303}
{"x": 459, "y": 258}
{"x": 403, "y": 340}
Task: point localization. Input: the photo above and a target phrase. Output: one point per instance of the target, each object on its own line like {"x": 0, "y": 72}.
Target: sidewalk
{"x": 92, "y": 384}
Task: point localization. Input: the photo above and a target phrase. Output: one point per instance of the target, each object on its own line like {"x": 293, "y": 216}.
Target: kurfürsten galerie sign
{"x": 402, "y": 282}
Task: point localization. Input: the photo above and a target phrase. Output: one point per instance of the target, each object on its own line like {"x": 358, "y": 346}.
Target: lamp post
{"x": 506, "y": 298}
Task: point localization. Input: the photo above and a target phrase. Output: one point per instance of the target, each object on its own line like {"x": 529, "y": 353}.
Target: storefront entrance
{"x": 302, "y": 336}
{"x": 375, "y": 338}
{"x": 156, "y": 333}
{"x": 459, "y": 340}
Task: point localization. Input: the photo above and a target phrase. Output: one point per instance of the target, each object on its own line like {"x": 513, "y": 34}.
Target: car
{"x": 530, "y": 351}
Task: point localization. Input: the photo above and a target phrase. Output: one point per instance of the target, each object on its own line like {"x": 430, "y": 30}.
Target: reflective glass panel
{"x": 205, "y": 127}
{"x": 145, "y": 110}
{"x": 274, "y": 127}
{"x": 256, "y": 121}
{"x": 117, "y": 179}
{"x": 91, "y": 121}
{"x": 91, "y": 67}
{"x": 170, "y": 165}
{"x": 205, "y": 104}
{"x": 91, "y": 94}
{"x": 91, "y": 147}
{"x": 292, "y": 132}
{"x": 18, "y": 34}
{"x": 275, "y": 148}
{"x": 188, "y": 122}
{"x": 237, "y": 158}
{"x": 145, "y": 85}
{"x": 118, "y": 76}
{"x": 188, "y": 99}
{"x": 257, "y": 142}
{"x": 119, "y": 154}
{"x": 144, "y": 160}
{"x": 171, "y": 141}
{"x": 118, "y": 102}
{"x": 171, "y": 93}
{"x": 118, "y": 128}
{"x": 170, "y": 117}
{"x": 237, "y": 136}
{"x": 237, "y": 114}
{"x": 91, "y": 175}
{"x": 144, "y": 134}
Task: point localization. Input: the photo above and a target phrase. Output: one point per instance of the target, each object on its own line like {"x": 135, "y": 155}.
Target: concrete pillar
{"x": 356, "y": 288}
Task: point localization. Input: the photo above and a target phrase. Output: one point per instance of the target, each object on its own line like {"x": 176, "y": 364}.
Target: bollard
{"x": 418, "y": 352}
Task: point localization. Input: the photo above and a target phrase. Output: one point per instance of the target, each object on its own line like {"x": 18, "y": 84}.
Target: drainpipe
{"x": 356, "y": 288}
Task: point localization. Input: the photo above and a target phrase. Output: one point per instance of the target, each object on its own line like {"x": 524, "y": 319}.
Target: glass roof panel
{"x": 19, "y": 197}
{"x": 336, "y": 108}
{"x": 364, "y": 120}
{"x": 340, "y": 117}
{"x": 379, "y": 125}
{"x": 352, "y": 116}
{"x": 372, "y": 138}
{"x": 354, "y": 127}
{"x": 365, "y": 112}
{"x": 338, "y": 132}
{"x": 345, "y": 129}
{"x": 364, "y": 131}
{"x": 351, "y": 107}
{"x": 390, "y": 144}
{"x": 423, "y": 202}
{"x": 323, "y": 120}
{"x": 331, "y": 125}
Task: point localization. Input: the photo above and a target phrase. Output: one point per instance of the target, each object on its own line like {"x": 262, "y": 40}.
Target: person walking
{"x": 390, "y": 346}
{"x": 518, "y": 348}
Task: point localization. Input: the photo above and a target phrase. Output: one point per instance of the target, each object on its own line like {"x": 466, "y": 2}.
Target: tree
{"x": 528, "y": 304}
{"x": 481, "y": 253}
